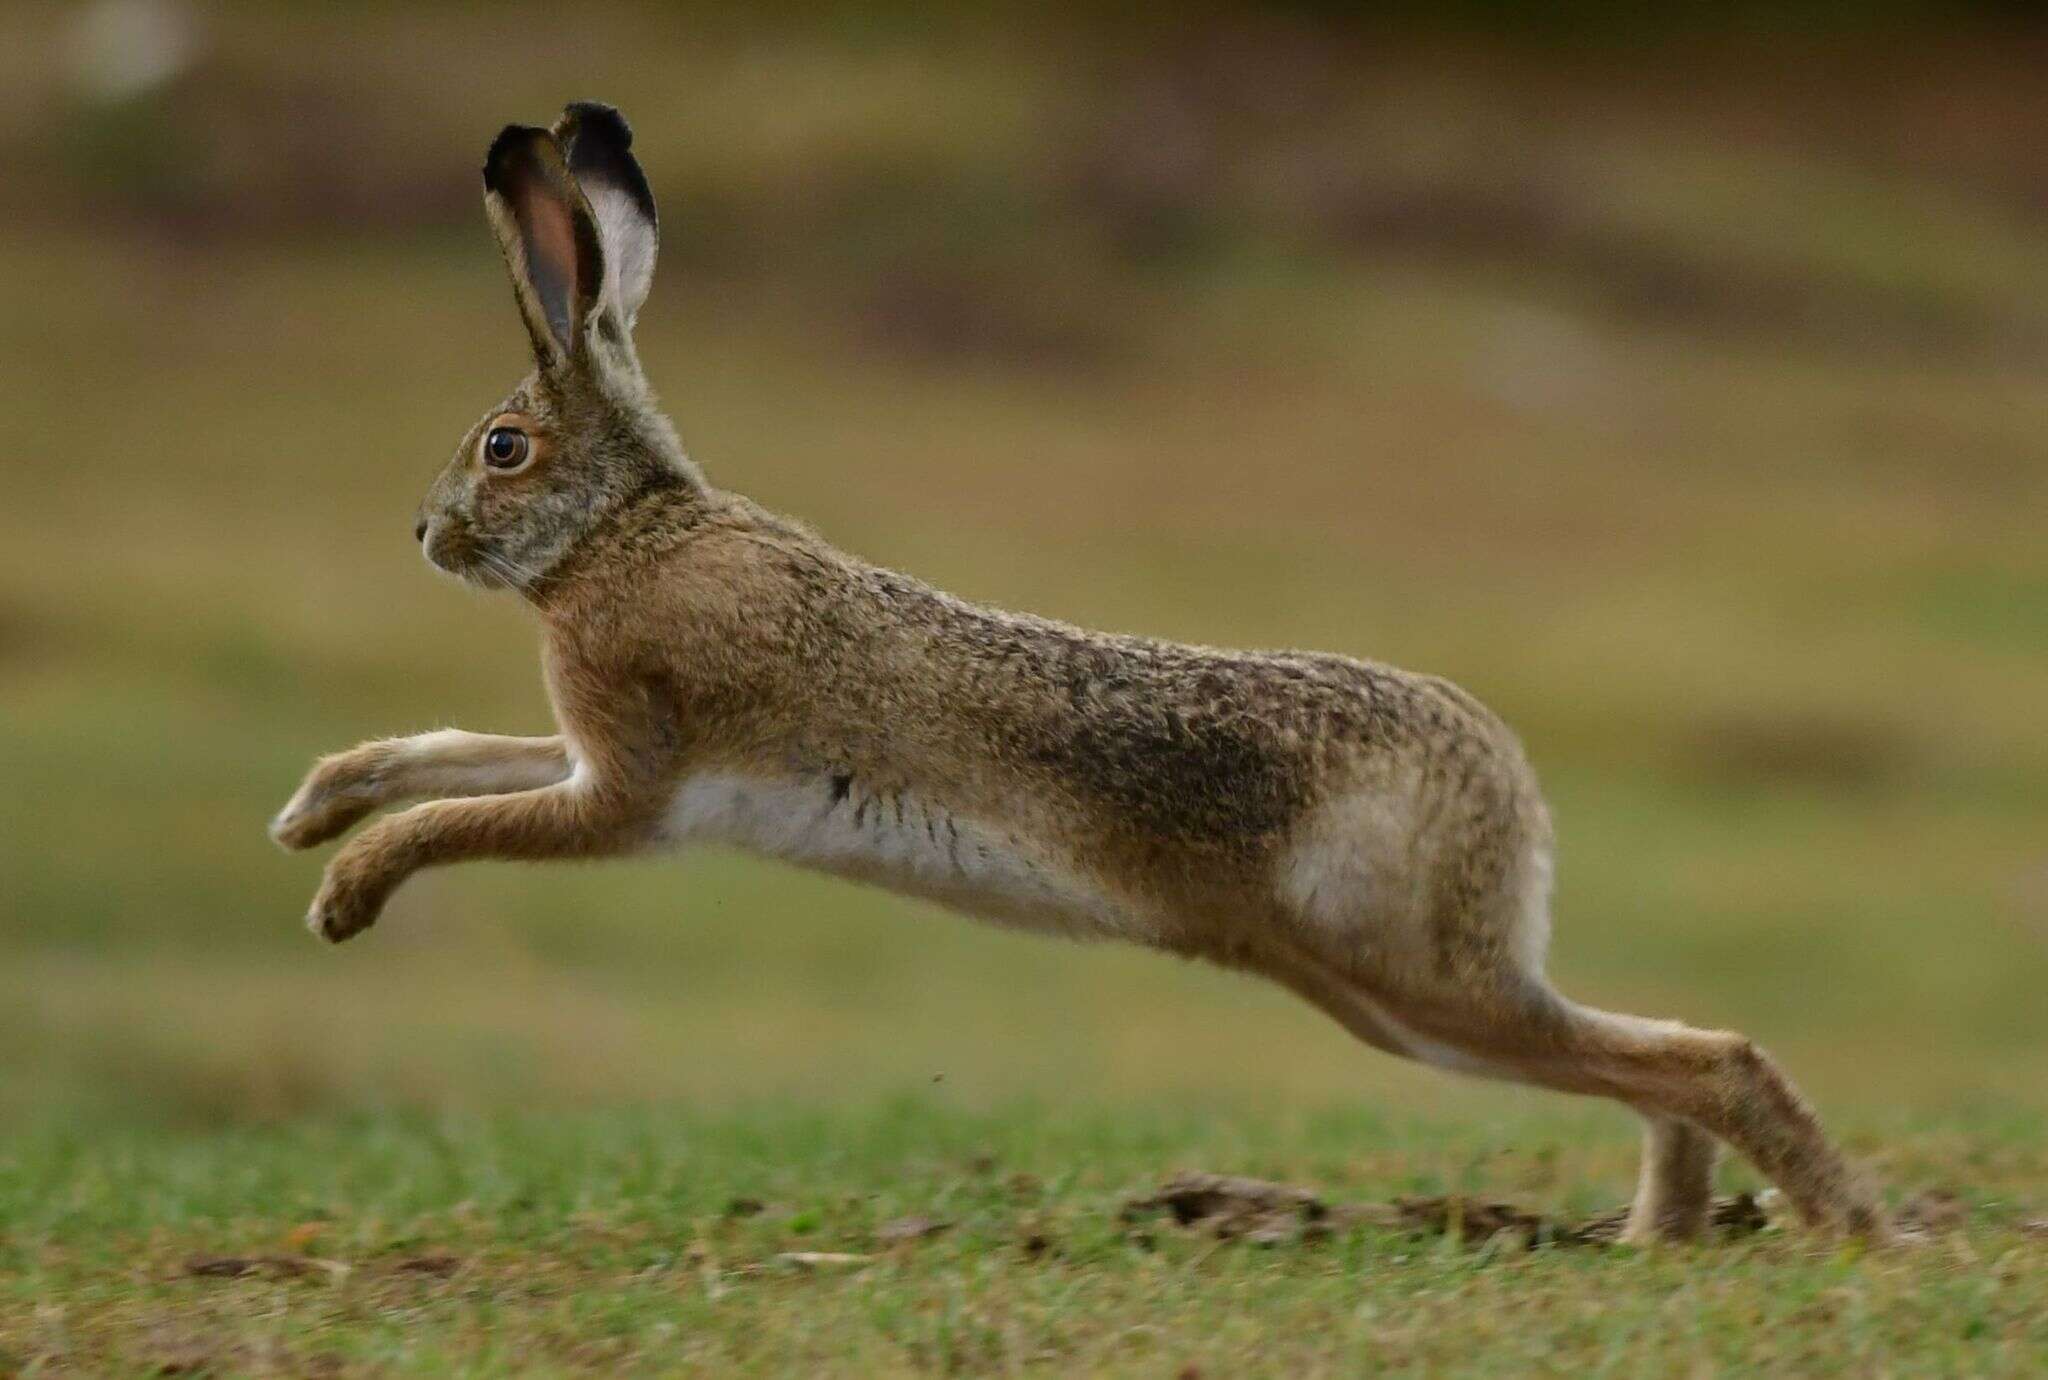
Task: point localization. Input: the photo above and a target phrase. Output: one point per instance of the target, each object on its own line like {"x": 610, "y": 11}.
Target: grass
{"x": 1706, "y": 446}
{"x": 654, "y": 1242}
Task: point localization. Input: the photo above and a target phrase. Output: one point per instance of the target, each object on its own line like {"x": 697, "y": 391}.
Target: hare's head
{"x": 580, "y": 438}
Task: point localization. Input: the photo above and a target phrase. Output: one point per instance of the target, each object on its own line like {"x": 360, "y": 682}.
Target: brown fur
{"x": 1372, "y": 839}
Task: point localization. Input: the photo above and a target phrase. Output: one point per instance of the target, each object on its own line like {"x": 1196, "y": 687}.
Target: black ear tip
{"x": 513, "y": 142}
{"x": 599, "y": 146}
{"x": 600, "y": 119}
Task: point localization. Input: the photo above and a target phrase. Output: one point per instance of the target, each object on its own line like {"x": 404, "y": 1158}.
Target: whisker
{"x": 524, "y": 572}
{"x": 498, "y": 566}
{"x": 515, "y": 574}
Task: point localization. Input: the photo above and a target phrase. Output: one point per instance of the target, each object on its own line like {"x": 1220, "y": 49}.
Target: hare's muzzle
{"x": 443, "y": 542}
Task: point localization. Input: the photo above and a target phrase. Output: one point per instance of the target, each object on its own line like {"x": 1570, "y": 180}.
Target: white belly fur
{"x": 894, "y": 840}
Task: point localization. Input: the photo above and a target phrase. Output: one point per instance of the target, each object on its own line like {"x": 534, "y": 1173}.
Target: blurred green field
{"x": 1768, "y": 602}
{"x": 1690, "y": 413}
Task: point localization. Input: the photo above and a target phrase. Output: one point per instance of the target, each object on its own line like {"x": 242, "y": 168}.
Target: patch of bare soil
{"x": 273, "y": 1266}
{"x": 904, "y": 1230}
{"x": 1268, "y": 1213}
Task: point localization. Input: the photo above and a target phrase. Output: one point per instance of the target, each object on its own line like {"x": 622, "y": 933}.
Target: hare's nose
{"x": 419, "y": 530}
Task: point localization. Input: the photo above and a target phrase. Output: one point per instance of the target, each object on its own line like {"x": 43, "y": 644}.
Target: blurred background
{"x": 1680, "y": 387}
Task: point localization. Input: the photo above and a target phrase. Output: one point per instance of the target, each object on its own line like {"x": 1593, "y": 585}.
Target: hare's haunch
{"x": 1371, "y": 839}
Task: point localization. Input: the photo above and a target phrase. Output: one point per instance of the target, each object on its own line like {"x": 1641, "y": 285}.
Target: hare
{"x": 1371, "y": 839}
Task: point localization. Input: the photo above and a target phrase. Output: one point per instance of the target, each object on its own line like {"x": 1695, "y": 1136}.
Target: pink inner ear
{"x": 552, "y": 236}
{"x": 550, "y": 254}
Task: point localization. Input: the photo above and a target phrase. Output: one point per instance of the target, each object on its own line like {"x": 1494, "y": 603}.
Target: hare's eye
{"x": 505, "y": 448}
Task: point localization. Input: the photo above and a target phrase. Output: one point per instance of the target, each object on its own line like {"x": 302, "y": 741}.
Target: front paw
{"x": 348, "y": 903}
{"x": 335, "y": 796}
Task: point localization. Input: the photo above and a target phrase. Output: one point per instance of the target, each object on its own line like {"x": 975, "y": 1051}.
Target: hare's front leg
{"x": 344, "y": 788}
{"x": 575, "y": 819}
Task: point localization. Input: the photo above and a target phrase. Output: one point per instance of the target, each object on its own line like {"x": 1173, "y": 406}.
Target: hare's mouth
{"x": 452, "y": 548}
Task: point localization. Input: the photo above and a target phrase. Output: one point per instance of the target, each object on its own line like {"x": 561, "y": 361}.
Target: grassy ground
{"x": 1702, "y": 438}
{"x": 658, "y": 1243}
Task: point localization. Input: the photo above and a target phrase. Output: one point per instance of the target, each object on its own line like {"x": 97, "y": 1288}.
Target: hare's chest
{"x": 832, "y": 823}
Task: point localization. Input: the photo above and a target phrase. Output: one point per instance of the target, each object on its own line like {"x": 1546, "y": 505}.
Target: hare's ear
{"x": 598, "y": 145}
{"x": 550, "y": 238}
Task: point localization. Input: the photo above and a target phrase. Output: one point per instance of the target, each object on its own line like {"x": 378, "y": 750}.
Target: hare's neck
{"x": 666, "y": 509}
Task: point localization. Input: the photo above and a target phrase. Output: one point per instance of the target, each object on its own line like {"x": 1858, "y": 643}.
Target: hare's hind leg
{"x": 1685, "y": 1081}
{"x": 1435, "y": 949}
{"x": 1714, "y": 1079}
{"x": 1675, "y": 1186}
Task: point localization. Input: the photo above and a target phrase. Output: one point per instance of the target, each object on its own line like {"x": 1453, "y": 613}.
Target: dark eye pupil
{"x": 504, "y": 445}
